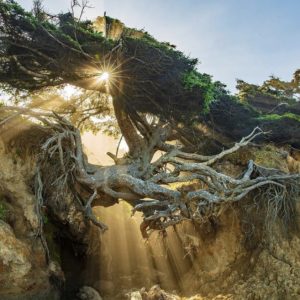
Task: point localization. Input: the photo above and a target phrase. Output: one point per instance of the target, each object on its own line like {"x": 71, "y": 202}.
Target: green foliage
{"x": 210, "y": 90}
{"x": 3, "y": 210}
{"x": 148, "y": 77}
{"x": 274, "y": 117}
{"x": 45, "y": 219}
{"x": 12, "y": 9}
{"x": 65, "y": 32}
{"x": 272, "y": 89}
{"x": 61, "y": 40}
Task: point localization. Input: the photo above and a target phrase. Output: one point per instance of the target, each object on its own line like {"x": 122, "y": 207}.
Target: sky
{"x": 233, "y": 39}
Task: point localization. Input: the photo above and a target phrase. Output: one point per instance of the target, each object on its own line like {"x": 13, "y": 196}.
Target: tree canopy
{"x": 39, "y": 51}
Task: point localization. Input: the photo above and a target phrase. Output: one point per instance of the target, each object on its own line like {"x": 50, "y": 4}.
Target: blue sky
{"x": 245, "y": 39}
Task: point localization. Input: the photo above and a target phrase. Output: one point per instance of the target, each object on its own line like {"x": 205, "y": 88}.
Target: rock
{"x": 24, "y": 273}
{"x": 155, "y": 293}
{"x": 14, "y": 257}
{"x": 88, "y": 293}
{"x": 136, "y": 296}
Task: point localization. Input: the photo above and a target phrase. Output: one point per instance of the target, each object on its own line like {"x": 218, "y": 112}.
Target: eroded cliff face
{"x": 219, "y": 260}
{"x": 24, "y": 272}
{"x": 241, "y": 254}
{"x": 237, "y": 256}
{"x": 113, "y": 28}
{"x": 231, "y": 257}
{"x": 226, "y": 270}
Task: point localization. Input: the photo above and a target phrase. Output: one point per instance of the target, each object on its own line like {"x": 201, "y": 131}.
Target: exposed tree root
{"x": 149, "y": 189}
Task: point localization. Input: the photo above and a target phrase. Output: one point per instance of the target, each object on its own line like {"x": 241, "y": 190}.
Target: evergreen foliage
{"x": 148, "y": 77}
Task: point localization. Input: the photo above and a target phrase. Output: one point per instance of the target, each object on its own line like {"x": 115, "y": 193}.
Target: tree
{"x": 158, "y": 97}
{"x": 274, "y": 95}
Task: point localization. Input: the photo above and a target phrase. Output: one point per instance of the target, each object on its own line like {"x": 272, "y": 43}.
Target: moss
{"x": 275, "y": 117}
{"x": 50, "y": 232}
{"x": 3, "y": 209}
{"x": 268, "y": 156}
{"x": 271, "y": 157}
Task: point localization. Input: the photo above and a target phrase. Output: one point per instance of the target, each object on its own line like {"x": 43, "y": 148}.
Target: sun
{"x": 104, "y": 76}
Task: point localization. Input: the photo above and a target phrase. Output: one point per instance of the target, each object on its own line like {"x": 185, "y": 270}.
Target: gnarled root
{"x": 149, "y": 189}
{"x": 279, "y": 190}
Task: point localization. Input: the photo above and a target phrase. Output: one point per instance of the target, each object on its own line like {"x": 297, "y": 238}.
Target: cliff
{"x": 237, "y": 255}
{"x": 34, "y": 266}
